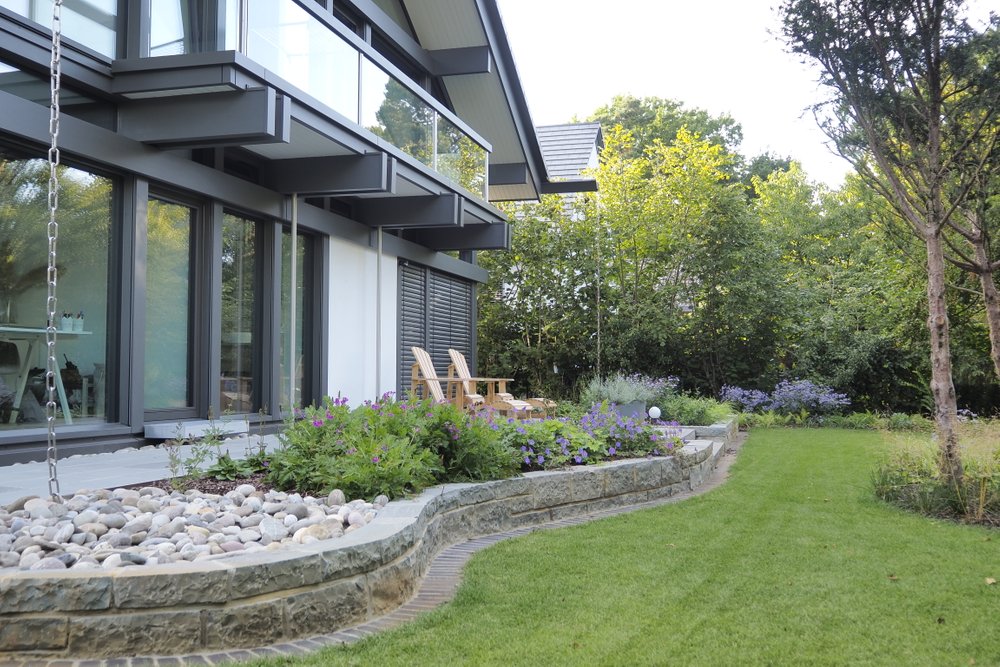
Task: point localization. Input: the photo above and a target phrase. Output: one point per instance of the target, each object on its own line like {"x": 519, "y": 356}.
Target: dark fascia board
{"x": 24, "y": 43}
{"x": 395, "y": 34}
{"x": 96, "y": 146}
{"x": 212, "y": 119}
{"x": 339, "y": 227}
{"x": 331, "y": 176}
{"x": 514, "y": 173}
{"x": 149, "y": 77}
{"x": 409, "y": 212}
{"x": 493, "y": 25}
{"x": 474, "y": 213}
{"x": 569, "y": 187}
{"x": 464, "y": 60}
{"x": 470, "y": 237}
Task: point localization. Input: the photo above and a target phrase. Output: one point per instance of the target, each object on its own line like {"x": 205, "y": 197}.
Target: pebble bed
{"x": 105, "y": 529}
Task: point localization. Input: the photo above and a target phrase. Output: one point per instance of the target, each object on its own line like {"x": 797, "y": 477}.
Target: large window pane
{"x": 394, "y": 113}
{"x": 90, "y": 22}
{"x": 182, "y": 26}
{"x": 286, "y": 39}
{"x": 295, "y": 359}
{"x": 460, "y": 158}
{"x": 84, "y": 230}
{"x": 168, "y": 306}
{"x": 238, "y": 384}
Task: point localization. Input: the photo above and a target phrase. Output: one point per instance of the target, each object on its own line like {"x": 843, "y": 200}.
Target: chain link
{"x": 52, "y": 367}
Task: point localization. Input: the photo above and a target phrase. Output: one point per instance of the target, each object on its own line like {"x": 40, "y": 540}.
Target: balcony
{"x": 330, "y": 65}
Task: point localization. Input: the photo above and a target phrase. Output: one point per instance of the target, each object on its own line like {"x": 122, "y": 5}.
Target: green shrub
{"x": 388, "y": 465}
{"x": 692, "y": 410}
{"x": 386, "y": 446}
{"x": 621, "y": 389}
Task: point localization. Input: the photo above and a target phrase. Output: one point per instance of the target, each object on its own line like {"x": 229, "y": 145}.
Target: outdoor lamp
{"x": 654, "y": 412}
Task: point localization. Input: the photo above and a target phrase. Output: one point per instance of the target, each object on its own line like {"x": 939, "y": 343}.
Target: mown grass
{"x": 791, "y": 562}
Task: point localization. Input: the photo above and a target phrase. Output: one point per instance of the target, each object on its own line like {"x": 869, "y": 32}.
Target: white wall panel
{"x": 353, "y": 326}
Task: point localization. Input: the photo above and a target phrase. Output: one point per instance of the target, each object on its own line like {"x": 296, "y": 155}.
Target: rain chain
{"x": 52, "y": 367}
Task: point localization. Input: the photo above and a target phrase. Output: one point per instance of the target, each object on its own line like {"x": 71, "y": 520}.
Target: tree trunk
{"x": 992, "y": 300}
{"x": 942, "y": 387}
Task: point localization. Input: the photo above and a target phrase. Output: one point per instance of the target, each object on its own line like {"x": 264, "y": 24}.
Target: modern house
{"x": 262, "y": 202}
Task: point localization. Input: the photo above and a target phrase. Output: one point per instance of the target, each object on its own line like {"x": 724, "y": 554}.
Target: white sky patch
{"x": 724, "y": 56}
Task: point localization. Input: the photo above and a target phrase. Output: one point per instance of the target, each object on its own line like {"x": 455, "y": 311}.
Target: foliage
{"x": 910, "y": 477}
{"x": 392, "y": 446}
{"x": 596, "y": 435}
{"x": 228, "y": 468}
{"x": 620, "y": 388}
{"x": 693, "y": 410}
{"x": 383, "y": 464}
{"x": 789, "y": 397}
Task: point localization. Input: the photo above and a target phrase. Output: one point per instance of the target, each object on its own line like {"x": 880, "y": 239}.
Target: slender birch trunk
{"x": 942, "y": 386}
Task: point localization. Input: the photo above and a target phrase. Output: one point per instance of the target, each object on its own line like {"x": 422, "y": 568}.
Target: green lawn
{"x": 791, "y": 562}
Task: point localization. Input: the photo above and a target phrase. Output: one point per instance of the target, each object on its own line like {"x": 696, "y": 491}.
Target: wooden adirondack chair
{"x": 423, "y": 374}
{"x": 497, "y": 396}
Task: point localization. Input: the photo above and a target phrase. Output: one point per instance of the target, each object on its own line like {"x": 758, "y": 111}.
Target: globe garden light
{"x": 654, "y": 412}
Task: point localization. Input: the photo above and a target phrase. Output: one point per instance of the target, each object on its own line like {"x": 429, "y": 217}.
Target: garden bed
{"x": 302, "y": 590}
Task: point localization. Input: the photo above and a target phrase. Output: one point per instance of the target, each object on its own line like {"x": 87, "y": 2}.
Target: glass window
{"x": 92, "y": 23}
{"x": 168, "y": 306}
{"x": 460, "y": 158}
{"x": 84, "y": 218}
{"x": 397, "y": 115}
{"x": 181, "y": 26}
{"x": 286, "y": 39}
{"x": 239, "y": 352}
{"x": 295, "y": 357}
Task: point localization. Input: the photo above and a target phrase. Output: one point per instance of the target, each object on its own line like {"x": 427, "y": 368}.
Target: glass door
{"x": 239, "y": 393}
{"x": 168, "y": 368}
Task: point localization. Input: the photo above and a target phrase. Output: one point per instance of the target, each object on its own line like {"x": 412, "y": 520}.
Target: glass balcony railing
{"x": 289, "y": 41}
{"x": 92, "y": 23}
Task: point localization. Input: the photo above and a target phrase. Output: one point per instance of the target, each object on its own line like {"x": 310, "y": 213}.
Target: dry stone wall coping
{"x": 251, "y": 599}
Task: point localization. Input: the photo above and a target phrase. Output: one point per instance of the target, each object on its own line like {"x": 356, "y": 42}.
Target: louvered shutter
{"x": 412, "y": 319}
{"x": 435, "y": 313}
{"x": 449, "y": 318}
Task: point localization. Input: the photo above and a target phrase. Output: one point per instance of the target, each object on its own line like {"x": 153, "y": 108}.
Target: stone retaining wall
{"x": 246, "y": 600}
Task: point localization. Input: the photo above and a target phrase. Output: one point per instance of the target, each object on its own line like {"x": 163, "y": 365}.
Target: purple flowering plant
{"x": 802, "y": 398}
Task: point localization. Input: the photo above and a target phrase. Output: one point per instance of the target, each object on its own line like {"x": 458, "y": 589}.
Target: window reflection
{"x": 168, "y": 305}
{"x": 84, "y": 231}
{"x": 92, "y": 23}
{"x": 295, "y": 361}
{"x": 239, "y": 344}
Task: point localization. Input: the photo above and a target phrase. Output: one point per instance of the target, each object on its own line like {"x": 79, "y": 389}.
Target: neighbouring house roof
{"x": 570, "y": 149}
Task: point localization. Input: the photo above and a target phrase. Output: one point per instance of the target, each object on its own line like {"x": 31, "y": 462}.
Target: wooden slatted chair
{"x": 424, "y": 375}
{"x": 497, "y": 396}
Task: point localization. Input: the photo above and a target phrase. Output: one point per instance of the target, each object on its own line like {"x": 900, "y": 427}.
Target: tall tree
{"x": 889, "y": 66}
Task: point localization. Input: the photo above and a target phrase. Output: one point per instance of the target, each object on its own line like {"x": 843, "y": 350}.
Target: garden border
{"x": 246, "y": 600}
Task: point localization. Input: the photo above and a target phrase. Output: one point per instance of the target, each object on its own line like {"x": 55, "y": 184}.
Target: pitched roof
{"x": 570, "y": 149}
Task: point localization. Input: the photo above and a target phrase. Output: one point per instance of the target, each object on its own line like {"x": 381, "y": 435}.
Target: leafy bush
{"x": 620, "y": 389}
{"x": 802, "y": 401}
{"x": 790, "y": 396}
{"x": 693, "y": 410}
{"x": 386, "y": 446}
{"x": 389, "y": 465}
